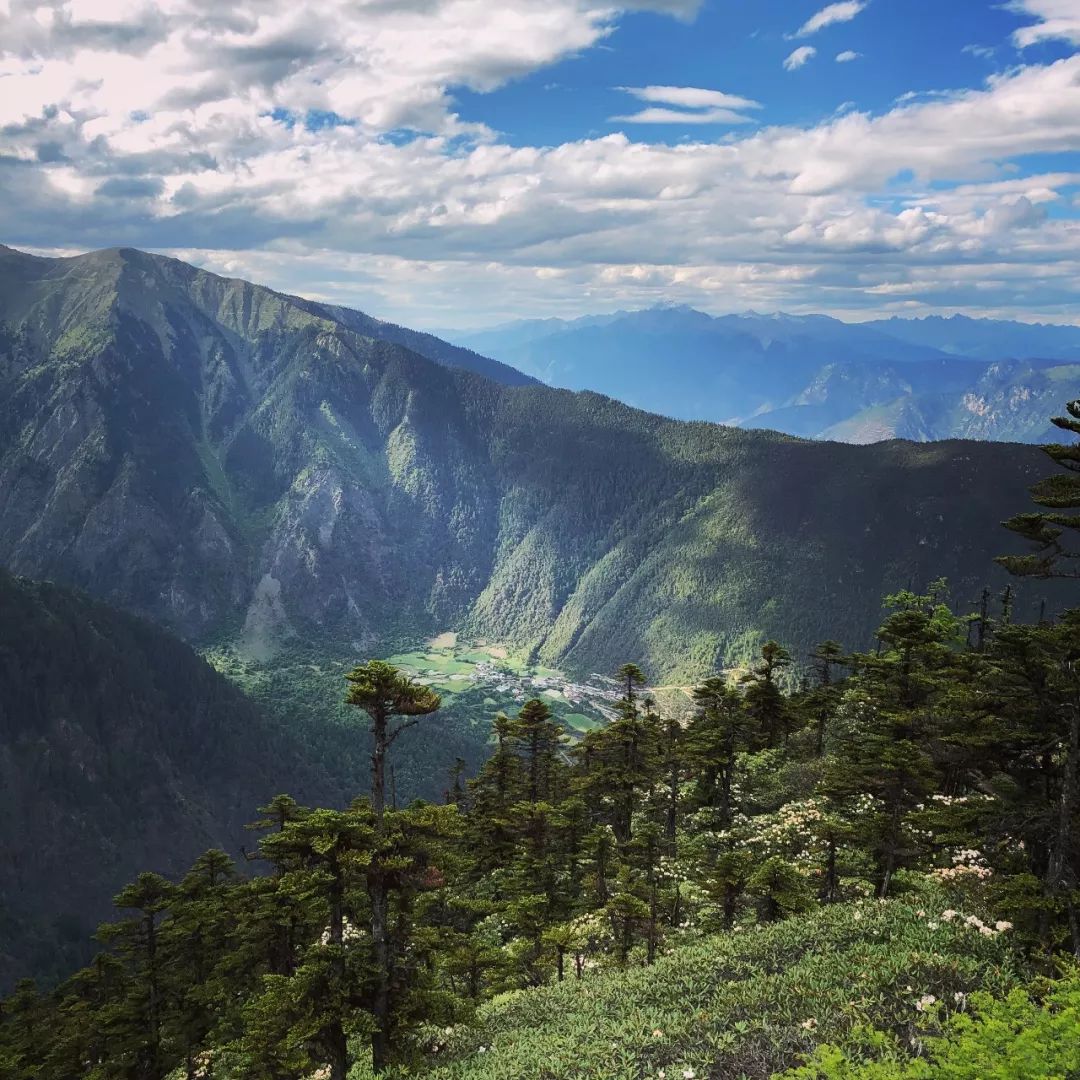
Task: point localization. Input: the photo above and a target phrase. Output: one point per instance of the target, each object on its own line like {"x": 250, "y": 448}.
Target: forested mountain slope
{"x": 246, "y": 467}
{"x": 120, "y": 749}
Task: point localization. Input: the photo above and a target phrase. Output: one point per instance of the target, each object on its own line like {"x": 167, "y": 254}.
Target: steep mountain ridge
{"x": 248, "y": 469}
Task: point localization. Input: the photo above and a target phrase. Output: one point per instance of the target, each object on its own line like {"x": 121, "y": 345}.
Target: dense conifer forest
{"x": 867, "y": 867}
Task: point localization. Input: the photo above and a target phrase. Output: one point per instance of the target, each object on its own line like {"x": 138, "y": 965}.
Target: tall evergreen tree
{"x": 766, "y": 705}
{"x": 715, "y": 735}
{"x": 1053, "y": 531}
{"x": 384, "y": 693}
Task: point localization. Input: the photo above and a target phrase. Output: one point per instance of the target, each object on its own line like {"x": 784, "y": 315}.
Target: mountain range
{"x": 296, "y": 487}
{"x": 252, "y": 468}
{"x": 813, "y": 376}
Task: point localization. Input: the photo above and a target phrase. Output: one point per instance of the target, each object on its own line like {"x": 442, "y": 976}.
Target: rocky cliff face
{"x": 237, "y": 463}
{"x": 191, "y": 447}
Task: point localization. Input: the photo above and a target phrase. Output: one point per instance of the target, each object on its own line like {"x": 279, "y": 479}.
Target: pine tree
{"x": 887, "y": 750}
{"x": 633, "y": 677}
{"x": 538, "y": 740}
{"x": 780, "y": 889}
{"x": 766, "y": 706}
{"x": 384, "y": 693}
{"x": 329, "y": 853}
{"x": 194, "y": 942}
{"x": 1035, "y": 680}
{"x": 492, "y": 796}
{"x": 716, "y": 734}
{"x": 134, "y": 1018}
{"x": 822, "y": 701}
{"x": 1053, "y": 531}
{"x": 620, "y": 763}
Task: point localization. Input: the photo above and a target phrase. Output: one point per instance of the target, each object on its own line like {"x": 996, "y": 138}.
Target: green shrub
{"x": 1015, "y": 1038}
{"x": 745, "y": 1004}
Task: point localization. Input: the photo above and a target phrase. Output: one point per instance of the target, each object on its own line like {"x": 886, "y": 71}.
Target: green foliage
{"x": 146, "y": 755}
{"x": 745, "y": 1004}
{"x": 1052, "y": 531}
{"x": 1016, "y": 1038}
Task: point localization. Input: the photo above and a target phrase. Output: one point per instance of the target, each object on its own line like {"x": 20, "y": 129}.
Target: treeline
{"x": 950, "y": 753}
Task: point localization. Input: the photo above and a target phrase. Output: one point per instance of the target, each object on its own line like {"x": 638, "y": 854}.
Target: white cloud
{"x": 682, "y": 116}
{"x": 691, "y": 97}
{"x": 847, "y": 56}
{"x": 691, "y": 105}
{"x": 842, "y": 12}
{"x": 800, "y": 57}
{"x": 1056, "y": 19}
{"x": 379, "y": 64}
{"x": 155, "y": 129}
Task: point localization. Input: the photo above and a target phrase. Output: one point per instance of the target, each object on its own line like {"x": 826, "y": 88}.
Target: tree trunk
{"x": 154, "y": 1005}
{"x": 828, "y": 892}
{"x": 380, "y": 1039}
{"x": 380, "y": 940}
{"x": 1061, "y": 873}
{"x": 337, "y": 1051}
{"x": 673, "y": 806}
{"x": 378, "y": 766}
{"x": 650, "y": 955}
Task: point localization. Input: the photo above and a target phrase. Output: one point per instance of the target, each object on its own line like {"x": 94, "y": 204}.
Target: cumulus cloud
{"x": 381, "y": 65}
{"x": 1056, "y": 19}
{"x": 847, "y": 56}
{"x": 688, "y": 105}
{"x": 841, "y": 12}
{"x": 263, "y": 143}
{"x": 800, "y": 57}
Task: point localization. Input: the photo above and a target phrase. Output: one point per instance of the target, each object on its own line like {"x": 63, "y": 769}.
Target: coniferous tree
{"x": 822, "y": 702}
{"x": 326, "y": 855}
{"x": 384, "y": 693}
{"x": 715, "y": 735}
{"x": 1054, "y": 530}
{"x": 538, "y": 741}
{"x": 766, "y": 707}
{"x": 886, "y": 752}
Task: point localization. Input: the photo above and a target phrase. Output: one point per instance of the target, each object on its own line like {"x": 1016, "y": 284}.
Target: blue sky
{"x": 459, "y": 163}
{"x": 904, "y": 46}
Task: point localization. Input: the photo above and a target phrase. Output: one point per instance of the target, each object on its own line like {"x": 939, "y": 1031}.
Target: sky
{"x": 460, "y": 163}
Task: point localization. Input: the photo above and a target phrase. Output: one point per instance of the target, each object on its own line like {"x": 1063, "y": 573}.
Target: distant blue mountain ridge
{"x": 808, "y": 375}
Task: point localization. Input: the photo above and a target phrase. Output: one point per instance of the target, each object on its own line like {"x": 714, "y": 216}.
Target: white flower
{"x": 948, "y": 914}
{"x": 688, "y": 1074}
{"x": 1001, "y": 926}
{"x": 924, "y": 1003}
{"x": 809, "y": 1024}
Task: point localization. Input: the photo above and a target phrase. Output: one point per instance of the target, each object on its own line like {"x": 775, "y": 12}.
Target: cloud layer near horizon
{"x": 325, "y": 155}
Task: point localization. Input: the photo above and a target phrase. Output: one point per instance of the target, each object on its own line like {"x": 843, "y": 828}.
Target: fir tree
{"x": 1053, "y": 531}
{"x": 381, "y": 691}
{"x": 766, "y": 706}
